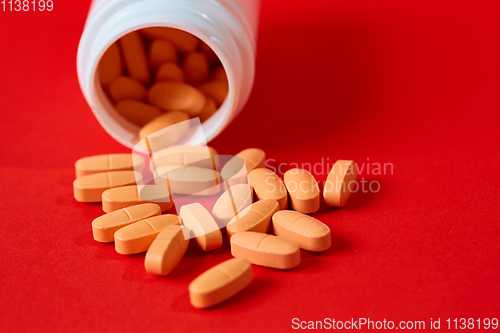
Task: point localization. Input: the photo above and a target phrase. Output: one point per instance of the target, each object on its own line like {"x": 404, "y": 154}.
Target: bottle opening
{"x": 156, "y": 71}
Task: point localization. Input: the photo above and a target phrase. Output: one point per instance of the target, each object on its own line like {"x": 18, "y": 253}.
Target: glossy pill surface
{"x": 176, "y": 96}
{"x": 231, "y": 202}
{"x": 137, "y": 237}
{"x": 254, "y": 158}
{"x": 108, "y": 162}
{"x": 256, "y": 217}
{"x": 126, "y": 196}
{"x": 339, "y": 183}
{"x": 164, "y": 121}
{"x": 185, "y": 179}
{"x": 166, "y": 251}
{"x": 105, "y": 226}
{"x": 162, "y": 51}
{"x": 90, "y": 188}
{"x": 265, "y": 250}
{"x": 169, "y": 72}
{"x": 267, "y": 185}
{"x": 202, "y": 225}
{"x": 197, "y": 156}
{"x": 309, "y": 233}
{"x": 220, "y": 283}
{"x": 303, "y": 190}
{"x": 136, "y": 60}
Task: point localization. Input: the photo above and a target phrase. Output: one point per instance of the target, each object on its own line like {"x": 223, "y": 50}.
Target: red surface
{"x": 415, "y": 84}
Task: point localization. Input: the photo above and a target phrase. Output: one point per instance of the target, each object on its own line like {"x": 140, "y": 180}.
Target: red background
{"x": 412, "y": 83}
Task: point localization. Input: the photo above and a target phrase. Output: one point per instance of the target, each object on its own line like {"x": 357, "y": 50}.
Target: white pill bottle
{"x": 229, "y": 27}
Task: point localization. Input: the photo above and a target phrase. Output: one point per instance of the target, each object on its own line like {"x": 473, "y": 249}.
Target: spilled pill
{"x": 267, "y": 185}
{"x": 254, "y": 158}
{"x": 124, "y": 87}
{"x": 265, "y": 250}
{"x": 110, "y": 65}
{"x": 105, "y": 226}
{"x": 162, "y": 51}
{"x": 177, "y": 96}
{"x": 303, "y": 190}
{"x": 137, "y": 237}
{"x": 126, "y": 196}
{"x": 309, "y": 233}
{"x": 202, "y": 225}
{"x": 166, "y": 251}
{"x": 136, "y": 60}
{"x": 340, "y": 183}
{"x": 108, "y": 162}
{"x": 231, "y": 202}
{"x": 137, "y": 112}
{"x": 220, "y": 282}
{"x": 163, "y": 121}
{"x": 90, "y": 188}
{"x": 199, "y": 156}
{"x": 190, "y": 180}
{"x": 256, "y": 217}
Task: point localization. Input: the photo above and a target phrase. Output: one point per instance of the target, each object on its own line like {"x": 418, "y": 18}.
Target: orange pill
{"x": 137, "y": 112}
{"x": 90, "y": 188}
{"x": 196, "y": 68}
{"x": 209, "y": 53}
{"x": 126, "y": 196}
{"x": 256, "y": 217}
{"x": 216, "y": 90}
{"x": 105, "y": 226}
{"x": 166, "y": 251}
{"x": 219, "y": 74}
{"x": 110, "y": 65}
{"x": 254, "y": 158}
{"x": 177, "y": 96}
{"x": 267, "y": 185}
{"x": 136, "y": 59}
{"x": 183, "y": 41}
{"x": 169, "y": 72}
{"x": 220, "y": 283}
{"x": 165, "y": 120}
{"x": 189, "y": 180}
{"x": 231, "y": 202}
{"x": 303, "y": 190}
{"x": 265, "y": 250}
{"x": 309, "y": 233}
{"x": 124, "y": 87}
{"x": 108, "y": 162}
{"x": 162, "y": 51}
{"x": 202, "y": 225}
{"x": 137, "y": 237}
{"x": 198, "y": 156}
{"x": 340, "y": 183}
{"x": 208, "y": 110}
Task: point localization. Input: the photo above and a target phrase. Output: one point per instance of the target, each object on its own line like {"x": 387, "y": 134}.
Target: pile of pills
{"x": 246, "y": 212}
{"x": 157, "y": 77}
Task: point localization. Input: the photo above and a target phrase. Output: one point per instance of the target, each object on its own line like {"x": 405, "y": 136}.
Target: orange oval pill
{"x": 176, "y": 96}
{"x": 256, "y": 217}
{"x": 137, "y": 237}
{"x": 198, "y": 156}
{"x": 202, "y": 225}
{"x": 234, "y": 172}
{"x": 190, "y": 180}
{"x": 90, "y": 188}
{"x": 216, "y": 90}
{"x": 309, "y": 233}
{"x": 208, "y": 110}
{"x": 108, "y": 162}
{"x": 166, "y": 251}
{"x": 110, "y": 65}
{"x": 105, "y": 226}
{"x": 137, "y": 112}
{"x": 267, "y": 185}
{"x": 303, "y": 190}
{"x": 162, "y": 51}
{"x": 265, "y": 250}
{"x": 231, "y": 202}
{"x": 339, "y": 183}
{"x": 196, "y": 68}
{"x": 183, "y": 41}
{"x": 254, "y": 158}
{"x": 164, "y": 121}
{"x": 219, "y": 74}
{"x": 169, "y": 72}
{"x": 136, "y": 60}
{"x": 220, "y": 283}
{"x": 126, "y": 196}
{"x": 123, "y": 87}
